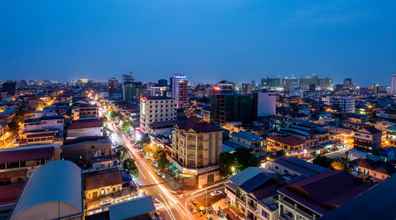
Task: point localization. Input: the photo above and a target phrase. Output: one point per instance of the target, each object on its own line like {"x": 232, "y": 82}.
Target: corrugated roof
{"x": 301, "y": 166}
{"x": 248, "y": 136}
{"x": 245, "y": 175}
{"x": 132, "y": 208}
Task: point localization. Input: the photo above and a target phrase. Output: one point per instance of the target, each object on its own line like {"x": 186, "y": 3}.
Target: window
{"x": 264, "y": 214}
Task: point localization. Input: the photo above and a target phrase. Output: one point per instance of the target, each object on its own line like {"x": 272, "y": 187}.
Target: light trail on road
{"x": 172, "y": 205}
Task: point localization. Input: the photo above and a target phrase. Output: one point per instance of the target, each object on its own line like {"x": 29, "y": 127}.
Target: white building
{"x": 154, "y": 110}
{"x": 81, "y": 128}
{"x": 393, "y": 84}
{"x": 44, "y": 122}
{"x": 266, "y": 104}
{"x": 179, "y": 90}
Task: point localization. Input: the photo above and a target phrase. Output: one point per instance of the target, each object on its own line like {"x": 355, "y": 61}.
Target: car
{"x": 216, "y": 193}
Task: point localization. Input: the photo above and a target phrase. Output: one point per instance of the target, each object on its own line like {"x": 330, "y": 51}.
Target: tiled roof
{"x": 325, "y": 191}
{"x": 288, "y": 140}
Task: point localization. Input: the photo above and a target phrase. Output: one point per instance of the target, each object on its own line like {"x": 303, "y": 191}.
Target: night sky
{"x": 209, "y": 40}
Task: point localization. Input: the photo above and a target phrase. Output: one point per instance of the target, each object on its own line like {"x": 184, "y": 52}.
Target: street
{"x": 173, "y": 206}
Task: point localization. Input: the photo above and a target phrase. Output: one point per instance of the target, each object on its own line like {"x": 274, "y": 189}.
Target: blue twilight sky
{"x": 209, "y": 40}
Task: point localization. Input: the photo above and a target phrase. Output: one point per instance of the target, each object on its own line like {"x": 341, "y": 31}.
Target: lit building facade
{"x": 156, "y": 109}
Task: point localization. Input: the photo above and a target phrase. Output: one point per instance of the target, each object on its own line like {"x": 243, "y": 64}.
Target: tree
{"x": 123, "y": 153}
{"x": 126, "y": 125}
{"x": 322, "y": 161}
{"x": 246, "y": 158}
{"x": 130, "y": 165}
{"x": 160, "y": 157}
{"x": 226, "y": 160}
{"x": 240, "y": 159}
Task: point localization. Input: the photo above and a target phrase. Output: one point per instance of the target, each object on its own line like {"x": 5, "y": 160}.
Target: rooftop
{"x": 88, "y": 123}
{"x": 377, "y": 203}
{"x": 131, "y": 209}
{"x": 103, "y": 178}
{"x": 301, "y": 166}
{"x": 197, "y": 126}
{"x": 55, "y": 182}
{"x": 378, "y": 166}
{"x": 32, "y": 152}
{"x": 86, "y": 138}
{"x": 325, "y": 191}
{"x": 288, "y": 139}
{"x": 248, "y": 136}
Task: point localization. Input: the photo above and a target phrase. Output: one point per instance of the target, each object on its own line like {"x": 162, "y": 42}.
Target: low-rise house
{"x": 135, "y": 209}
{"x": 292, "y": 167}
{"x": 17, "y": 164}
{"x": 42, "y": 136}
{"x": 313, "y": 197}
{"x": 102, "y": 183}
{"x": 88, "y": 127}
{"x": 87, "y": 148}
{"x": 248, "y": 140}
{"x": 287, "y": 143}
{"x": 377, "y": 170}
{"x": 252, "y": 194}
{"x": 82, "y": 110}
{"x": 44, "y": 122}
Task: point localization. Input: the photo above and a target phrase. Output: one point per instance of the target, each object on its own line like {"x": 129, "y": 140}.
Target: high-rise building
{"x": 162, "y": 82}
{"x": 232, "y": 107}
{"x": 157, "y": 110}
{"x": 393, "y": 84}
{"x": 114, "y": 89}
{"x": 223, "y": 87}
{"x": 196, "y": 147}
{"x": 179, "y": 89}
{"x": 9, "y": 87}
{"x": 348, "y": 83}
{"x": 127, "y": 87}
{"x": 131, "y": 90}
{"x": 266, "y": 104}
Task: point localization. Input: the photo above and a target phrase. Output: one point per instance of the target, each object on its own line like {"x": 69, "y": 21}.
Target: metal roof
{"x": 59, "y": 182}
{"x": 132, "y": 208}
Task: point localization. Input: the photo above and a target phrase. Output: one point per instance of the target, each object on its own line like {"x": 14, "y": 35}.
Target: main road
{"x": 173, "y": 206}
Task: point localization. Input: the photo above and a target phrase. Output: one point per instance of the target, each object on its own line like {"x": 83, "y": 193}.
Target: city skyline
{"x": 240, "y": 41}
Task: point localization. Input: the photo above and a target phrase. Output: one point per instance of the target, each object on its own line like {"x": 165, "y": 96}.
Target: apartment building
{"x": 196, "y": 146}
{"x": 155, "y": 110}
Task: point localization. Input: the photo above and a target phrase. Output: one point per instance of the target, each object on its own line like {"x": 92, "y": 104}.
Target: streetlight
{"x": 233, "y": 170}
